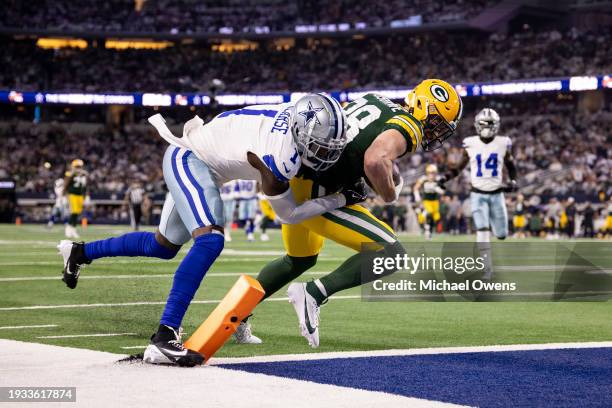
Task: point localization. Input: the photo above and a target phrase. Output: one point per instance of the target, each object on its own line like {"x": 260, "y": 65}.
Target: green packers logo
{"x": 439, "y": 93}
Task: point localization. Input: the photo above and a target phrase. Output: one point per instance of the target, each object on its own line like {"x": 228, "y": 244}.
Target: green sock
{"x": 281, "y": 271}
{"x": 73, "y": 219}
{"x": 349, "y": 274}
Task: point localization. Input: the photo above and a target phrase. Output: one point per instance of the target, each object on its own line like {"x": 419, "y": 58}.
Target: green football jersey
{"x": 368, "y": 117}
{"x": 77, "y": 182}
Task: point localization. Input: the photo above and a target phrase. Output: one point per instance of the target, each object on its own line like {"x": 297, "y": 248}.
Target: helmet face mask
{"x": 486, "y": 123}
{"x": 319, "y": 131}
{"x": 435, "y": 132}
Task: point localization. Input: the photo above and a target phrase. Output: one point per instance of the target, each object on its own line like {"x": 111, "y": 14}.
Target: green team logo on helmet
{"x": 439, "y": 93}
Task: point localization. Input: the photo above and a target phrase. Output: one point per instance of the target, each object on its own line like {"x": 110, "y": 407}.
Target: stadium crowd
{"x": 369, "y": 63}
{"x": 213, "y": 16}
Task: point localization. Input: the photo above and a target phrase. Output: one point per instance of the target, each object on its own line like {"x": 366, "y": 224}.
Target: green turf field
{"x": 108, "y": 286}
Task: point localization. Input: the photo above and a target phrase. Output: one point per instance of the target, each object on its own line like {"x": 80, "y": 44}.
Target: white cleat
{"x": 307, "y": 311}
{"x": 65, "y": 248}
{"x": 228, "y": 237}
{"x": 250, "y": 237}
{"x": 264, "y": 237}
{"x": 244, "y": 335}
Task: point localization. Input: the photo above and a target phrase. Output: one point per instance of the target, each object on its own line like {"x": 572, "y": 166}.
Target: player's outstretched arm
{"x": 378, "y": 163}
{"x": 280, "y": 196}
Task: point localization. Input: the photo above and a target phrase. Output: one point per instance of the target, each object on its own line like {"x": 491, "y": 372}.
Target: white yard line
{"x": 133, "y": 347}
{"x": 73, "y": 336}
{"x": 408, "y": 352}
{"x": 34, "y": 326}
{"x": 91, "y": 305}
{"x": 135, "y": 276}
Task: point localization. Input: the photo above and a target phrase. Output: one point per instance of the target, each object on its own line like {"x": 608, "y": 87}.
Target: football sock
{"x": 250, "y": 226}
{"x": 131, "y": 244}
{"x": 281, "y": 271}
{"x": 189, "y": 275}
{"x": 73, "y": 219}
{"x": 349, "y": 274}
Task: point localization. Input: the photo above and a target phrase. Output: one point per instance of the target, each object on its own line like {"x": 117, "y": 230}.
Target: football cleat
{"x": 264, "y": 237}
{"x": 74, "y": 258}
{"x": 307, "y": 310}
{"x": 167, "y": 348}
{"x": 250, "y": 237}
{"x": 243, "y": 334}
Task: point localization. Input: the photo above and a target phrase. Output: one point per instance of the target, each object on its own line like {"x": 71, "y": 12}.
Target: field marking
{"x": 137, "y": 276}
{"x": 198, "y": 302}
{"x": 72, "y": 336}
{"x": 58, "y": 263}
{"x": 133, "y": 347}
{"x": 408, "y": 352}
{"x": 34, "y": 326}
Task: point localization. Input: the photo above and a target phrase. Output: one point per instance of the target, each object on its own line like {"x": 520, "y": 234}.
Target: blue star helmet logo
{"x": 311, "y": 113}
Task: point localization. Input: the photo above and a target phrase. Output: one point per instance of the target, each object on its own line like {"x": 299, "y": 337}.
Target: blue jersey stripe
{"x": 269, "y": 160}
{"x": 177, "y": 176}
{"x": 191, "y": 178}
{"x": 270, "y": 113}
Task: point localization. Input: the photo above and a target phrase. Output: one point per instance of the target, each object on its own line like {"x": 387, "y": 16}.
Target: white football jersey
{"x": 247, "y": 189}
{"x": 229, "y": 191}
{"x": 487, "y": 161}
{"x": 223, "y": 142}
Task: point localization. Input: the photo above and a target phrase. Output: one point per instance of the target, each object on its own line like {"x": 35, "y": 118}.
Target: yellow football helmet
{"x": 77, "y": 164}
{"x": 431, "y": 169}
{"x": 438, "y": 106}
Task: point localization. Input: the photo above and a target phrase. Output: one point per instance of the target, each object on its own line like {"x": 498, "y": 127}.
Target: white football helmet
{"x": 319, "y": 130}
{"x": 487, "y": 123}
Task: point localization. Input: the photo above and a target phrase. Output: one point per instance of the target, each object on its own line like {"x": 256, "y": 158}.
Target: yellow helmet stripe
{"x": 407, "y": 127}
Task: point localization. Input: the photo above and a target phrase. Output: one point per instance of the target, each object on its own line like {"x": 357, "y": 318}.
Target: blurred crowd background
{"x": 562, "y": 141}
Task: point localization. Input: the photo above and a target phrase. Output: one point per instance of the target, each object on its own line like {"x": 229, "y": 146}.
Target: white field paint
{"x": 34, "y": 326}
{"x": 74, "y": 336}
{"x": 99, "y": 379}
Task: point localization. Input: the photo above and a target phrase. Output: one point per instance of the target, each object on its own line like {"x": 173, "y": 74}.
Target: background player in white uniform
{"x": 229, "y": 193}
{"x": 60, "y": 207}
{"x": 267, "y": 143}
{"x": 247, "y": 206}
{"x": 487, "y": 153}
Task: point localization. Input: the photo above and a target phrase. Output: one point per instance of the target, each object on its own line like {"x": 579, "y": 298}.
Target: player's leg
{"x": 76, "y": 208}
{"x": 349, "y": 226}
{"x": 481, "y": 216}
{"x": 137, "y": 216}
{"x": 498, "y": 215}
{"x": 163, "y": 244}
{"x": 199, "y": 206}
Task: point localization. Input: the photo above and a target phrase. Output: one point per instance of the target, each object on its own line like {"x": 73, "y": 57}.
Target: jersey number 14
{"x": 490, "y": 164}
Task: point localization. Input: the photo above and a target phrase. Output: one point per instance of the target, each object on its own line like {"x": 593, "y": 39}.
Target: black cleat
{"x": 167, "y": 348}
{"x": 74, "y": 258}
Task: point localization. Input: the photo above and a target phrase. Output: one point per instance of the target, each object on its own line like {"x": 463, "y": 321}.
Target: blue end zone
{"x": 552, "y": 378}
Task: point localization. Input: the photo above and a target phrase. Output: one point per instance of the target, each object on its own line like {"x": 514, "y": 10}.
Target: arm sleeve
{"x": 289, "y": 212}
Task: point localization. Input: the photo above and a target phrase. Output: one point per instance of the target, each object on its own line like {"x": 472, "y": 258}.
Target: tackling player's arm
{"x": 378, "y": 163}
{"x": 280, "y": 196}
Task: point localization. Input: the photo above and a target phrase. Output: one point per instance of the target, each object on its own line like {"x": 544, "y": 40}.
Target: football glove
{"x": 356, "y": 193}
{"x": 511, "y": 187}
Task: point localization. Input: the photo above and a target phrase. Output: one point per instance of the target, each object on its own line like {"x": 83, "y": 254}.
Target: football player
{"x": 75, "y": 186}
{"x": 487, "y": 153}
{"x": 247, "y": 206}
{"x": 519, "y": 221}
{"x": 431, "y": 198}
{"x": 267, "y": 143}
{"x": 59, "y": 210}
{"x": 380, "y": 131}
